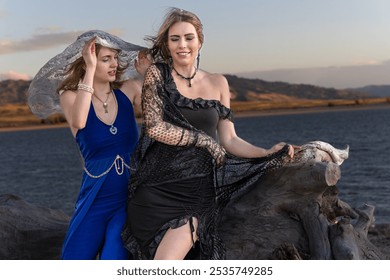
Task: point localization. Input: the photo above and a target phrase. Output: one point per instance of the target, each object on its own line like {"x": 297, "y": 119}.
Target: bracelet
{"x": 85, "y": 87}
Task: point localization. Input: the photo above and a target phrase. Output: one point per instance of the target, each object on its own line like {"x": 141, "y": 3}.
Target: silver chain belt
{"x": 119, "y": 164}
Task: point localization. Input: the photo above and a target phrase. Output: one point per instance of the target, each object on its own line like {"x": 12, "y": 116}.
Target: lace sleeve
{"x": 165, "y": 132}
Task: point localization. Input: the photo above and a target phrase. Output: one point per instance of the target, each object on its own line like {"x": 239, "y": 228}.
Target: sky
{"x": 240, "y": 35}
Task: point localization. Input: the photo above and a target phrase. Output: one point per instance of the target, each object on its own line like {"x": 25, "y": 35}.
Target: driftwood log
{"x": 293, "y": 213}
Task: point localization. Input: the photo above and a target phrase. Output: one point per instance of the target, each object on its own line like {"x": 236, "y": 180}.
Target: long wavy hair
{"x": 159, "y": 49}
{"x": 76, "y": 72}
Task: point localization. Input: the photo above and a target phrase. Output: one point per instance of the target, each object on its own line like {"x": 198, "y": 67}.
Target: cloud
{"x": 38, "y": 42}
{"x": 47, "y": 38}
{"x": 12, "y": 75}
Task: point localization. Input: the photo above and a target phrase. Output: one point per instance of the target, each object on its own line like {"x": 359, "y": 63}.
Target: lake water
{"x": 43, "y": 166}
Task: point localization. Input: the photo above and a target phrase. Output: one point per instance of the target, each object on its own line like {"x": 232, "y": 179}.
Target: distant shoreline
{"x": 308, "y": 110}
{"x": 33, "y": 127}
{"x": 254, "y": 113}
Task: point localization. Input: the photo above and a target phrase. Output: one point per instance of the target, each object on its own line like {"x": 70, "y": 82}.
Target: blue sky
{"x": 240, "y": 35}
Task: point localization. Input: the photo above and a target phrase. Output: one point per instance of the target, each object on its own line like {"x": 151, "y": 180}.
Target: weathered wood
{"x": 295, "y": 212}
{"x": 30, "y": 232}
{"x": 350, "y": 241}
{"x": 277, "y": 211}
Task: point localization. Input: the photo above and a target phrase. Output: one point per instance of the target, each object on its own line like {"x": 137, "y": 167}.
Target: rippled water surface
{"x": 43, "y": 166}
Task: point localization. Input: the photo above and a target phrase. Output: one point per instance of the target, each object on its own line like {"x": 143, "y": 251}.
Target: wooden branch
{"x": 315, "y": 225}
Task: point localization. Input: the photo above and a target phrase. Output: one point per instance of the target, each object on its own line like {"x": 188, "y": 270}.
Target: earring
{"x": 198, "y": 61}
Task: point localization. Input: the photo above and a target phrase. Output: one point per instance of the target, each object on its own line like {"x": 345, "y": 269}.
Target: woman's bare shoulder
{"x": 215, "y": 78}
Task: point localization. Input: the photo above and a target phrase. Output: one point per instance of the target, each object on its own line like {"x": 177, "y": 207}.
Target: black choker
{"x": 186, "y": 78}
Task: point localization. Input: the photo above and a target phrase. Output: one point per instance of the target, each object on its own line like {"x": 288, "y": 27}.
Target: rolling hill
{"x": 375, "y": 90}
{"x": 242, "y": 89}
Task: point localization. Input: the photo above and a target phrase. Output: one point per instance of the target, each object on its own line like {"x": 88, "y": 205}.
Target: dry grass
{"x": 245, "y": 106}
{"x": 19, "y": 115}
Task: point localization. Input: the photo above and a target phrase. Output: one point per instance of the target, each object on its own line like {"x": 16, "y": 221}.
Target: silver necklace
{"x": 105, "y": 104}
{"x": 113, "y": 129}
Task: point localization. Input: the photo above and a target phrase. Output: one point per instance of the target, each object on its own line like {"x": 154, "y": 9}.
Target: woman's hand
{"x": 143, "y": 62}
{"x": 279, "y": 146}
{"x": 219, "y": 155}
{"x": 89, "y": 54}
{"x": 216, "y": 150}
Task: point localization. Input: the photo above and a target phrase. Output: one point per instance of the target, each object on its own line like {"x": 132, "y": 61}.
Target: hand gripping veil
{"x": 42, "y": 96}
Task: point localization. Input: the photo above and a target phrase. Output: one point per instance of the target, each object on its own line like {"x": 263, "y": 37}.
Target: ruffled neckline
{"x": 182, "y": 101}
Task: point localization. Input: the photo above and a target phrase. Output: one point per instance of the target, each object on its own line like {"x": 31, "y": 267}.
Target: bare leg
{"x": 177, "y": 242}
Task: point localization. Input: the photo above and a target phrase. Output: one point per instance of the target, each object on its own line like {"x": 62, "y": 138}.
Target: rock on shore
{"x": 30, "y": 232}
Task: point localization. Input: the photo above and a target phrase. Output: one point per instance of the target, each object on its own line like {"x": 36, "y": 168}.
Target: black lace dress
{"x": 174, "y": 177}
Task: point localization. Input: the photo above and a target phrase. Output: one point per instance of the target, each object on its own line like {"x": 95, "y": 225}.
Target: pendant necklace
{"x": 186, "y": 78}
{"x": 105, "y": 104}
{"x": 113, "y": 129}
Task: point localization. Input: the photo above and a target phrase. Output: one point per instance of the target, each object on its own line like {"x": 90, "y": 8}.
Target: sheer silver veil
{"x": 42, "y": 97}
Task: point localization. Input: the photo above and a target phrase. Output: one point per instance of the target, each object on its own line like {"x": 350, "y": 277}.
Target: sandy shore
{"x": 258, "y": 113}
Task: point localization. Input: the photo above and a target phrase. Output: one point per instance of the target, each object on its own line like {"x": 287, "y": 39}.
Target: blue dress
{"x": 100, "y": 210}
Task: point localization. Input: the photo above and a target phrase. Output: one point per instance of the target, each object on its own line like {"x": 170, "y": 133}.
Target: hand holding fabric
{"x": 280, "y": 145}
{"x": 215, "y": 149}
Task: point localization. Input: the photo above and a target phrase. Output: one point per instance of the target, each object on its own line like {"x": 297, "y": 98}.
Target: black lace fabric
{"x": 166, "y": 132}
{"x": 170, "y": 149}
